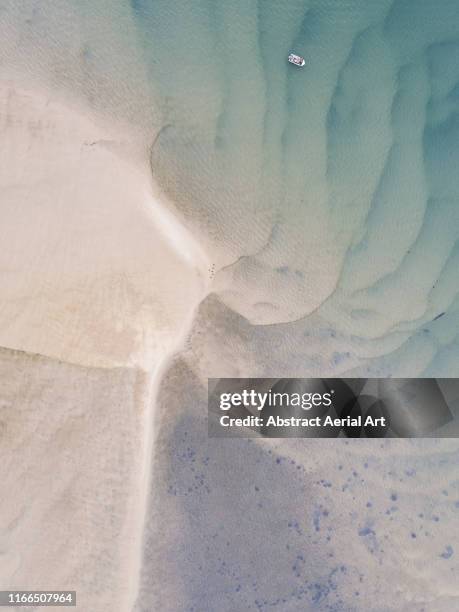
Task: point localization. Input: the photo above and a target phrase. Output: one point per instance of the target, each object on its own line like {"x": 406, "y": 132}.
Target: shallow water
{"x": 329, "y": 189}
{"x": 327, "y": 199}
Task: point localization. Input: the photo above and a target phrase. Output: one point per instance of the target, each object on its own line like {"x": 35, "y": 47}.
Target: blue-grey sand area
{"x": 179, "y": 202}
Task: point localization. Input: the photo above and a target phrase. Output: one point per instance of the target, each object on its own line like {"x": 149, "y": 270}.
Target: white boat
{"x": 296, "y": 59}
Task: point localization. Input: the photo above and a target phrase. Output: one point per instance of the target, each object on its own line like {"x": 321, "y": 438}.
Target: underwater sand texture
{"x": 327, "y": 194}
{"x": 178, "y": 200}
{"x": 295, "y": 525}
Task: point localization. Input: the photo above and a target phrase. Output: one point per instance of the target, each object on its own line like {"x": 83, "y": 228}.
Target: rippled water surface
{"x": 326, "y": 194}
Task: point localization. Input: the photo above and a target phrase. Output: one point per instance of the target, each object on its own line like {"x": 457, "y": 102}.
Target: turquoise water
{"x": 332, "y": 187}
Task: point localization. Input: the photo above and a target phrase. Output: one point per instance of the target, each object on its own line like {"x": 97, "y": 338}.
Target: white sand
{"x": 71, "y": 467}
{"x": 98, "y": 280}
{"x": 93, "y": 270}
